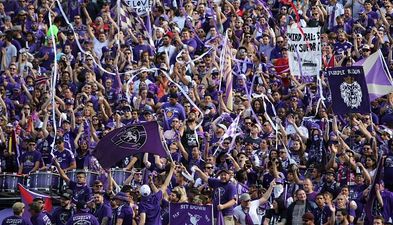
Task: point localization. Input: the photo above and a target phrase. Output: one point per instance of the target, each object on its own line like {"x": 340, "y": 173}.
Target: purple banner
{"x": 129, "y": 140}
{"x": 190, "y": 214}
{"x": 349, "y": 90}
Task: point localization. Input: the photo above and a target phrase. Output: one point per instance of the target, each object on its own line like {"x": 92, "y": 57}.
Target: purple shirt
{"x": 40, "y": 219}
{"x": 83, "y": 219}
{"x": 28, "y": 159}
{"x": 103, "y": 211}
{"x": 15, "y": 220}
{"x": 61, "y": 215}
{"x": 223, "y": 193}
{"x": 65, "y": 158}
{"x": 125, "y": 212}
{"x": 151, "y": 206}
{"x": 80, "y": 192}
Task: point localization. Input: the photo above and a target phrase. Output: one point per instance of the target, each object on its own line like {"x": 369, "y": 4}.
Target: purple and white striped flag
{"x": 378, "y": 78}
{"x": 129, "y": 19}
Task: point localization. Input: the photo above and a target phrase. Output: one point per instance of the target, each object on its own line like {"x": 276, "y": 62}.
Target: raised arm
{"x": 168, "y": 178}
{"x": 201, "y": 174}
{"x": 62, "y": 174}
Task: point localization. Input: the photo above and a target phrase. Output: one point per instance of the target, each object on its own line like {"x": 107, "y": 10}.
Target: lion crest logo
{"x": 131, "y": 137}
{"x": 351, "y": 92}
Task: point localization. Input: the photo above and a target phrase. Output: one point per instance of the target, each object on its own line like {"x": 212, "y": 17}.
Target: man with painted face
{"x": 224, "y": 197}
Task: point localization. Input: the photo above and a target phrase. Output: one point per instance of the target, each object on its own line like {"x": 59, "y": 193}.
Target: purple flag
{"x": 378, "y": 79}
{"x": 372, "y": 203}
{"x": 220, "y": 218}
{"x": 348, "y": 89}
{"x": 129, "y": 140}
{"x": 186, "y": 213}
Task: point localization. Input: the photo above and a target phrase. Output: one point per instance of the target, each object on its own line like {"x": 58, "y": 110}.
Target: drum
{"x": 9, "y": 182}
{"x": 120, "y": 176}
{"x": 44, "y": 181}
{"x": 90, "y": 176}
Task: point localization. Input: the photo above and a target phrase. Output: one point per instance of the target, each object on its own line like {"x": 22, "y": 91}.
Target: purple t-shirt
{"x": 125, "y": 212}
{"x": 61, "y": 215}
{"x": 151, "y": 206}
{"x": 103, "y": 211}
{"x": 223, "y": 192}
{"x": 15, "y": 220}
{"x": 81, "y": 192}
{"x": 28, "y": 159}
{"x": 83, "y": 219}
{"x": 40, "y": 219}
{"x": 65, "y": 158}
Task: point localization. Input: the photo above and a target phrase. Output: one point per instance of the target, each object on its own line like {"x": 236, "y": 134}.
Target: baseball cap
{"x": 59, "y": 140}
{"x": 66, "y": 195}
{"x": 145, "y": 190}
{"x": 245, "y": 197}
{"x": 222, "y": 126}
{"x": 82, "y": 206}
{"x": 222, "y": 171}
{"x": 122, "y": 196}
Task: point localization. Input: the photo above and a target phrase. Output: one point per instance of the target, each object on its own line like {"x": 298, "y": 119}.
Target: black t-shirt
{"x": 274, "y": 217}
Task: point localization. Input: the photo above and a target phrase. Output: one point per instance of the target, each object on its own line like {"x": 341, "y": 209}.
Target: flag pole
{"x": 165, "y": 145}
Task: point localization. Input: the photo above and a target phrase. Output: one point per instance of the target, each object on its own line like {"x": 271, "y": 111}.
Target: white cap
{"x": 222, "y": 126}
{"x": 145, "y": 190}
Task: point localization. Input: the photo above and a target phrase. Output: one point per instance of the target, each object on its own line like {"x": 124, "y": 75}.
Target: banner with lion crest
{"x": 348, "y": 90}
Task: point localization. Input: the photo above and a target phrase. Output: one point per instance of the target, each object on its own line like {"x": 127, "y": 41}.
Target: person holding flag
{"x": 225, "y": 196}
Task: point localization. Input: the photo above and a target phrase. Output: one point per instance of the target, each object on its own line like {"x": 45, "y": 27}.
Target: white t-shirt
{"x": 241, "y": 216}
{"x": 98, "y": 47}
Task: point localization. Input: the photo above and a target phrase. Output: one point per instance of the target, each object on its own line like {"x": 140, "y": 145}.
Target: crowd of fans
{"x": 295, "y": 161}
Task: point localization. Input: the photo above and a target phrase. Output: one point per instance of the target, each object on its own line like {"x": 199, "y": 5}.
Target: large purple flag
{"x": 348, "y": 89}
{"x": 186, "y": 213}
{"x": 378, "y": 78}
{"x": 371, "y": 207}
{"x": 129, "y": 140}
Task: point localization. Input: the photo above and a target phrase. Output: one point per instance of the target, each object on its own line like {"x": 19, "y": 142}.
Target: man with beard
{"x": 224, "y": 198}
{"x": 102, "y": 211}
{"x": 167, "y": 47}
{"x": 38, "y": 217}
{"x": 189, "y": 138}
{"x": 62, "y": 214}
{"x": 330, "y": 184}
